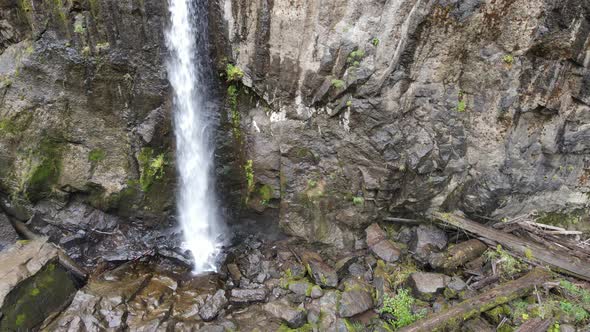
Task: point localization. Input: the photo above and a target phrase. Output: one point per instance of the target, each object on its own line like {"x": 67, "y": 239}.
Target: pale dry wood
{"x": 535, "y": 325}
{"x": 557, "y": 259}
{"x": 474, "y": 306}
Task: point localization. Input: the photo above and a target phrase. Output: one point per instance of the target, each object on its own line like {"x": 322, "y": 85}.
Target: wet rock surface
{"x": 245, "y": 296}
{"x": 34, "y": 284}
{"x": 294, "y": 317}
{"x": 321, "y": 273}
{"x": 157, "y": 292}
{"x": 213, "y": 304}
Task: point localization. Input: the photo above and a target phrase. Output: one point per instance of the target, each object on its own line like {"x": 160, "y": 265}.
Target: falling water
{"x": 187, "y": 41}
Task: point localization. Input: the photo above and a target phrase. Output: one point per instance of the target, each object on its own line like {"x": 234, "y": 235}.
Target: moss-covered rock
{"x": 35, "y": 299}
{"x": 34, "y": 284}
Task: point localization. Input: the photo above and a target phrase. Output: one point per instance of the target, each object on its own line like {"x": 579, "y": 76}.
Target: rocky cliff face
{"x": 370, "y": 109}
{"x": 85, "y": 120}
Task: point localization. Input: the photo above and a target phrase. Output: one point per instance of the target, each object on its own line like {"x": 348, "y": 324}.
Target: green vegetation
{"x": 311, "y": 183}
{"x": 103, "y": 47}
{"x": 305, "y": 328}
{"x": 375, "y": 41}
{"x": 508, "y": 59}
{"x": 96, "y": 155}
{"x": 233, "y": 73}
{"x": 33, "y": 300}
{"x": 358, "y": 200}
{"x": 400, "y": 307}
{"x": 575, "y": 291}
{"x": 560, "y": 219}
{"x": 20, "y": 319}
{"x": 348, "y": 103}
{"x": 86, "y": 51}
{"x": 338, "y": 84}
{"x": 151, "y": 167}
{"x": 44, "y": 171}
{"x": 508, "y": 265}
{"x": 15, "y": 125}
{"x": 356, "y": 55}
{"x": 79, "y": 27}
{"x": 578, "y": 313}
{"x": 265, "y": 194}
{"x": 94, "y": 7}
{"x": 26, "y": 6}
{"x": 462, "y": 105}
{"x": 60, "y": 11}
{"x": 354, "y": 326}
{"x": 569, "y": 304}
{"x": 232, "y": 96}
{"x": 6, "y": 82}
{"x": 249, "y": 171}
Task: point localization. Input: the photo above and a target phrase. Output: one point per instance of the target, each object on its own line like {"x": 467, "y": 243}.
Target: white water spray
{"x": 198, "y": 214}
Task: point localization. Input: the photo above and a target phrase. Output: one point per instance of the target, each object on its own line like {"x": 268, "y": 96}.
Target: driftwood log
{"x": 559, "y": 260}
{"x": 472, "y": 307}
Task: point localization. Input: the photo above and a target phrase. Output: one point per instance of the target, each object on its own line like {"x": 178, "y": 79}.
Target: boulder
{"x": 457, "y": 284}
{"x": 316, "y": 292}
{"x": 343, "y": 264}
{"x": 139, "y": 296}
{"x": 327, "y": 305}
{"x": 427, "y": 239}
{"x": 426, "y": 285}
{"x": 243, "y": 296}
{"x": 356, "y": 298}
{"x": 34, "y": 284}
{"x": 321, "y": 273}
{"x": 380, "y": 245}
{"x": 301, "y": 287}
{"x": 293, "y": 317}
{"x": 213, "y": 305}
{"x": 234, "y": 272}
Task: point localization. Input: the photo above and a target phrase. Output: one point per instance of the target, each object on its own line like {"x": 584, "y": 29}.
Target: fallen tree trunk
{"x": 559, "y": 260}
{"x": 458, "y": 255}
{"x": 535, "y": 325}
{"x": 472, "y": 307}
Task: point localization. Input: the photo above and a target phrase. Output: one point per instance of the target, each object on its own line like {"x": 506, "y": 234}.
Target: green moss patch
{"x": 27, "y": 305}
{"x": 45, "y": 169}
{"x": 233, "y": 73}
{"x": 151, "y": 167}
{"x": 14, "y": 126}
{"x": 96, "y": 155}
{"x": 574, "y": 220}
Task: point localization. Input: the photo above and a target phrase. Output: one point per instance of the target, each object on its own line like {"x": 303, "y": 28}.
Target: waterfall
{"x": 187, "y": 66}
